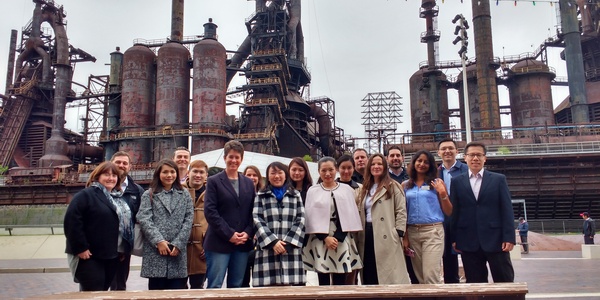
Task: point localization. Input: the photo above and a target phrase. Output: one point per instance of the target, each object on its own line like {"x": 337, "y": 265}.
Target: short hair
{"x": 199, "y": 164}
{"x": 521, "y": 219}
{"x": 279, "y": 166}
{"x": 345, "y": 158}
{"x": 447, "y": 140}
{"x": 392, "y": 147}
{"x": 476, "y": 144}
{"x": 181, "y": 148}
{"x": 104, "y": 168}
{"x": 235, "y": 146}
{"x": 360, "y": 149}
{"x": 121, "y": 153}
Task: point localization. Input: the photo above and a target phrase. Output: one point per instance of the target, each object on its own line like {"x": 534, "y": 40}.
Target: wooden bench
{"x": 489, "y": 291}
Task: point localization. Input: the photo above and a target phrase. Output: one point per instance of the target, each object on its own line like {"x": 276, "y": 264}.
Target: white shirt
{"x": 475, "y": 180}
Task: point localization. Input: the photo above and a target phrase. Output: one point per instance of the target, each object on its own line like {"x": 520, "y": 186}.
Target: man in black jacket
{"x": 132, "y": 194}
{"x": 589, "y": 228}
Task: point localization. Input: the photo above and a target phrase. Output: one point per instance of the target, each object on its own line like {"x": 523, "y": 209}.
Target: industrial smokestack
{"x": 574, "y": 59}
{"x": 210, "y": 30}
{"x": 177, "y": 20}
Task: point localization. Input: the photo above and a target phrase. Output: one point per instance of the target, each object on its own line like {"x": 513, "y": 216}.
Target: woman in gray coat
{"x": 165, "y": 216}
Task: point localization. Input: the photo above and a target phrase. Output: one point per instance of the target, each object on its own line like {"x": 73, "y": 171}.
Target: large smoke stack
{"x": 177, "y": 20}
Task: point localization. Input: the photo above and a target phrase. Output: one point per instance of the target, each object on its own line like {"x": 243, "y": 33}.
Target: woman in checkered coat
{"x": 279, "y": 219}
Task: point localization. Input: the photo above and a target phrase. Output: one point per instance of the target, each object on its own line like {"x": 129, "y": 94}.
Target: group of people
{"x": 376, "y": 221}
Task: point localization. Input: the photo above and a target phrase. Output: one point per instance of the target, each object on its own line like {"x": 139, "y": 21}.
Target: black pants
{"x": 336, "y": 278}
{"x": 450, "y": 258}
{"x": 476, "y": 270}
{"x": 167, "y": 284}
{"x": 119, "y": 283}
{"x": 588, "y": 240}
{"x": 369, "y": 261}
{"x": 524, "y": 243}
{"x": 96, "y": 274}
{"x": 197, "y": 281}
{"x": 249, "y": 266}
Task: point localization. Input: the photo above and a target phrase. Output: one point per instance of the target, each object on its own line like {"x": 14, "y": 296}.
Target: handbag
{"x": 138, "y": 238}
{"x": 138, "y": 241}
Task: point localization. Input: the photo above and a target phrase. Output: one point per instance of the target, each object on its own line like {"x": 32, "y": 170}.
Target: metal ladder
{"x": 13, "y": 117}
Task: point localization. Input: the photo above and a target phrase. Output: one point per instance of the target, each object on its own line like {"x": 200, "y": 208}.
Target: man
{"x": 450, "y": 167}
{"x": 523, "y": 228}
{"x": 228, "y": 203}
{"x": 482, "y": 219}
{"x": 132, "y": 194}
{"x": 360, "y": 157}
{"x": 395, "y": 159}
{"x": 196, "y": 259}
{"x": 589, "y": 228}
{"x": 182, "y": 158}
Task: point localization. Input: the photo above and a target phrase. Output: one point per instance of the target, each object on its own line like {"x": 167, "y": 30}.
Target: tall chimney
{"x": 177, "y": 20}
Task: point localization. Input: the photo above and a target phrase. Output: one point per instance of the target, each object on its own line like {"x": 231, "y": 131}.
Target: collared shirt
{"x": 476, "y": 182}
{"x": 423, "y": 205}
{"x": 447, "y": 176}
{"x": 369, "y": 203}
{"x": 399, "y": 177}
{"x": 124, "y": 184}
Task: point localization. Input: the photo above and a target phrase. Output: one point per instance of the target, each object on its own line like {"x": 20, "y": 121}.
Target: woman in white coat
{"x": 382, "y": 210}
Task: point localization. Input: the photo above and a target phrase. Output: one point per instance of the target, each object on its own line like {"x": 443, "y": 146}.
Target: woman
{"x": 346, "y": 168}
{"x": 427, "y": 202}
{"x": 279, "y": 220}
{"x": 331, "y": 216}
{"x": 98, "y": 225}
{"x": 165, "y": 216}
{"x": 382, "y": 209}
{"x": 196, "y": 260}
{"x": 228, "y": 209}
{"x": 300, "y": 176}
{"x": 253, "y": 173}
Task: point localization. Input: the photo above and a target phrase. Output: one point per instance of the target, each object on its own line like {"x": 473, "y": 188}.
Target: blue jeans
{"x": 217, "y": 264}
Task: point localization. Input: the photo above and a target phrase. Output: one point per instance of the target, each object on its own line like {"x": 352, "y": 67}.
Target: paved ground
{"x": 33, "y": 265}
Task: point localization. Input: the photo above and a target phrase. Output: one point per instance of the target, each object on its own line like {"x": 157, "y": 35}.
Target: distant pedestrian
{"x": 523, "y": 228}
{"x": 589, "y": 228}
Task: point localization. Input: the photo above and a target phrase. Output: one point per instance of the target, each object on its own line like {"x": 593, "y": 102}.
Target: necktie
{"x": 477, "y": 185}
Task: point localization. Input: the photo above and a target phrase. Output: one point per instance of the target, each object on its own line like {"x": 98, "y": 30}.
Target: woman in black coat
{"x": 97, "y": 226}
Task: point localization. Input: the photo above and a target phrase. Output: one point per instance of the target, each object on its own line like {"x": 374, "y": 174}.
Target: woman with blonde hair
{"x": 382, "y": 209}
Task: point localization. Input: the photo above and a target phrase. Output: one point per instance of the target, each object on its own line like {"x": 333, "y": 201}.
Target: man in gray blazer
{"x": 482, "y": 219}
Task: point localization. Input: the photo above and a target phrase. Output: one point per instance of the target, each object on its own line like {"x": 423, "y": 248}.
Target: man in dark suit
{"x": 482, "y": 219}
{"x": 450, "y": 168}
{"x": 132, "y": 194}
{"x": 228, "y": 203}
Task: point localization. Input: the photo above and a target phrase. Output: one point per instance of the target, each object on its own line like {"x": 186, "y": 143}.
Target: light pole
{"x": 461, "y": 36}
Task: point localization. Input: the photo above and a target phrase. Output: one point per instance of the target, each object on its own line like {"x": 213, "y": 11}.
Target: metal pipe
{"x": 574, "y": 59}
{"x": 10, "y": 69}
{"x": 177, "y": 20}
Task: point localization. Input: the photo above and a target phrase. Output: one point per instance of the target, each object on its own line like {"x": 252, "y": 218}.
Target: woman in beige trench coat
{"x": 382, "y": 209}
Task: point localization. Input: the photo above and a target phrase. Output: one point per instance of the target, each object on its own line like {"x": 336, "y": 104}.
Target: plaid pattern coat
{"x": 278, "y": 221}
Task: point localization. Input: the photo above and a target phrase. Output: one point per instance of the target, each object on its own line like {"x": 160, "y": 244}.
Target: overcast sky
{"x": 353, "y": 47}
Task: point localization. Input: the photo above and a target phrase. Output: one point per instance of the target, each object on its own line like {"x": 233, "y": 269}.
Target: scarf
{"x": 123, "y": 211}
{"x": 279, "y": 192}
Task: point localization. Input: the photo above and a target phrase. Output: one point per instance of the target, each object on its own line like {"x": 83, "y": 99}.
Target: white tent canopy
{"x": 215, "y": 158}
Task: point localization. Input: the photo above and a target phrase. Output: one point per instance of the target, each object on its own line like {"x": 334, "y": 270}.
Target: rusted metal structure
{"x": 209, "y": 88}
{"x": 138, "y": 101}
{"x": 37, "y": 96}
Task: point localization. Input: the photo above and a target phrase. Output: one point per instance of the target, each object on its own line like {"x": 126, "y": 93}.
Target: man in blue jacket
{"x": 450, "y": 168}
{"x": 523, "y": 228}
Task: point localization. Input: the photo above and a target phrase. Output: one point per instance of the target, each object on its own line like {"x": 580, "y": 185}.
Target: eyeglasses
{"x": 473, "y": 155}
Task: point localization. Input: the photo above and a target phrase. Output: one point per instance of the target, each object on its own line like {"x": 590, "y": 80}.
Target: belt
{"x": 424, "y": 225}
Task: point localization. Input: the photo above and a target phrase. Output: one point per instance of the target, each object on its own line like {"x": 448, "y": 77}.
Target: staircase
{"x": 13, "y": 117}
